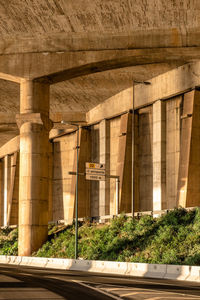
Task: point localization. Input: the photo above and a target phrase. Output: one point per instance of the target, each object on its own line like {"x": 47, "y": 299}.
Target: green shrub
{"x": 171, "y": 239}
{"x": 8, "y": 241}
{"x": 174, "y": 238}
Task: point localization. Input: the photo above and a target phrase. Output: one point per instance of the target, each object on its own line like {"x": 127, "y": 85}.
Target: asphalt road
{"x": 17, "y": 282}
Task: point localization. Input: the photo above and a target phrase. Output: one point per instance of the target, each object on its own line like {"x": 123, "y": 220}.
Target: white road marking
{"x": 174, "y": 297}
{"x": 114, "y": 289}
{"x": 4, "y": 278}
{"x": 168, "y": 295}
{"x": 97, "y": 290}
{"x": 139, "y": 292}
{"x": 129, "y": 294}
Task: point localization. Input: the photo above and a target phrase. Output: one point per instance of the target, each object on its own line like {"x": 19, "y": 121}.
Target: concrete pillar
{"x": 159, "y": 155}
{"x": 188, "y": 190}
{"x": 173, "y": 122}
{"x": 34, "y": 125}
{"x": 124, "y": 162}
{"x": 104, "y": 158}
{"x": 145, "y": 158}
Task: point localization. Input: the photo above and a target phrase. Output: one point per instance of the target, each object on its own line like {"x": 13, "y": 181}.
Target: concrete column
{"x": 104, "y": 158}
{"x": 124, "y": 162}
{"x": 159, "y": 155}
{"x": 188, "y": 190}
{"x": 34, "y": 125}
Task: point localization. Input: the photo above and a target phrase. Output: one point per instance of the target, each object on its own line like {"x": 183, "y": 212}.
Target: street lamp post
{"x": 76, "y": 199}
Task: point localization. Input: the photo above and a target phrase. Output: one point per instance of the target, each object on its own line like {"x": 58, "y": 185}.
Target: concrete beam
{"x": 153, "y": 56}
{"x": 72, "y": 116}
{"x": 7, "y": 118}
{"x": 10, "y": 77}
{"x": 92, "y": 41}
{"x": 56, "y": 67}
{"x": 10, "y": 147}
{"x": 120, "y": 102}
{"x": 168, "y": 85}
{"x": 165, "y": 86}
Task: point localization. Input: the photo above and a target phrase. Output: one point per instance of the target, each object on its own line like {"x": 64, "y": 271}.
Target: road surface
{"x": 20, "y": 283}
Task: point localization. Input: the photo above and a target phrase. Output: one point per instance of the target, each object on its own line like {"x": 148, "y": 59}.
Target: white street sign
{"x": 95, "y": 171}
{"x": 95, "y": 177}
{"x": 89, "y": 165}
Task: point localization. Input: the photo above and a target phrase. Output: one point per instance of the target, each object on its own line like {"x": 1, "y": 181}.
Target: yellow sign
{"x": 89, "y": 165}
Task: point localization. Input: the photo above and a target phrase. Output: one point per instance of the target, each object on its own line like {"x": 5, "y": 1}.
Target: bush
{"x": 174, "y": 238}
{"x": 8, "y": 241}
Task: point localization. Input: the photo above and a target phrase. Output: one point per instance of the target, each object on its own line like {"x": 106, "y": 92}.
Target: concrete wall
{"x": 63, "y": 160}
{"x": 114, "y": 148}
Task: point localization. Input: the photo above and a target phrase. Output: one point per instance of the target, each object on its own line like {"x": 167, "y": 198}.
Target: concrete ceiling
{"x": 40, "y": 37}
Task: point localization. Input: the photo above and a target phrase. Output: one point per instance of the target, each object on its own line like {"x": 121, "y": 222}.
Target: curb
{"x": 175, "y": 272}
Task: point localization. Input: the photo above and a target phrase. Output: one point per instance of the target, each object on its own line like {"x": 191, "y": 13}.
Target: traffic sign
{"x": 89, "y": 165}
{"x": 95, "y": 177}
{"x": 95, "y": 171}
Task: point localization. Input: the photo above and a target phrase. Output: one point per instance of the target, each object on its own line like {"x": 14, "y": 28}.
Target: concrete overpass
{"x": 78, "y": 61}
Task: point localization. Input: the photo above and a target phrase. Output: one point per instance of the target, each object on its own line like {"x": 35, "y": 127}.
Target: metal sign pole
{"x": 76, "y": 208}
{"x": 117, "y": 196}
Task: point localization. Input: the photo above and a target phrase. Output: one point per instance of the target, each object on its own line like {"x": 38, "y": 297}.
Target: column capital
{"x": 37, "y": 118}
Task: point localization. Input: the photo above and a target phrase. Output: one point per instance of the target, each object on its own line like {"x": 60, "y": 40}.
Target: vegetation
{"x": 8, "y": 241}
{"x": 173, "y": 238}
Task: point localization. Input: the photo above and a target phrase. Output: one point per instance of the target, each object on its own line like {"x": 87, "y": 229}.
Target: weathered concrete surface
{"x": 173, "y": 129}
{"x": 104, "y": 158}
{"x": 124, "y": 163}
{"x": 91, "y": 25}
{"x": 159, "y": 155}
{"x": 91, "y": 53}
{"x": 66, "y": 40}
{"x": 145, "y": 158}
{"x": 188, "y": 193}
{"x": 34, "y": 125}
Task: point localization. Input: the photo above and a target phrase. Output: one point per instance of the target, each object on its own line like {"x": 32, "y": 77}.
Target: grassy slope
{"x": 172, "y": 239}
